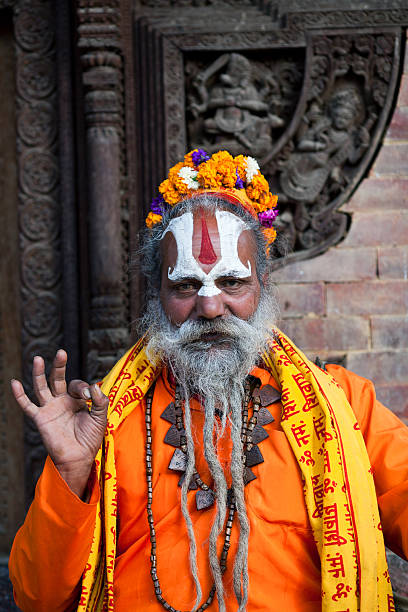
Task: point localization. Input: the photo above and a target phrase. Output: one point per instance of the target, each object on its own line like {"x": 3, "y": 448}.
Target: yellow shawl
{"x": 338, "y": 485}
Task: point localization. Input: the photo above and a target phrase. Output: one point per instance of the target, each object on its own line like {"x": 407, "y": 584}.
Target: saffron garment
{"x": 52, "y": 547}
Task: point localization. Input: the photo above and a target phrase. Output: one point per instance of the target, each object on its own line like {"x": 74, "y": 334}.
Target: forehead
{"x": 209, "y": 237}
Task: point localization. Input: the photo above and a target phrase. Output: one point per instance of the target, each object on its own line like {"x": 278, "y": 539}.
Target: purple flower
{"x": 199, "y": 156}
{"x": 267, "y": 217}
{"x": 158, "y": 205}
{"x": 239, "y": 182}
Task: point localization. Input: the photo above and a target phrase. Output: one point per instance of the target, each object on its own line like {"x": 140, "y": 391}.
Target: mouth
{"x": 213, "y": 337}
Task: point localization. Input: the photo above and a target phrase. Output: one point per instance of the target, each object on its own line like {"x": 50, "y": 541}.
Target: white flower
{"x": 189, "y": 177}
{"x": 252, "y": 168}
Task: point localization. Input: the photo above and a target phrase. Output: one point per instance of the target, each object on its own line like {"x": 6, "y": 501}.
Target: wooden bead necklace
{"x": 252, "y": 432}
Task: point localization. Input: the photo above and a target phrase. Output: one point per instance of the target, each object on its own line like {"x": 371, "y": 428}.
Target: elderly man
{"x": 228, "y": 471}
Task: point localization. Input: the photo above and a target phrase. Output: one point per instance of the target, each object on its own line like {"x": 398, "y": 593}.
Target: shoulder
{"x": 360, "y": 392}
{"x": 370, "y": 413}
{"x": 352, "y": 384}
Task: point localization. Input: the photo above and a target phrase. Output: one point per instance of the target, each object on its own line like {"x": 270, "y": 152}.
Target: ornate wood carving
{"x": 39, "y": 216}
{"x": 11, "y": 420}
{"x": 349, "y": 82}
{"x": 237, "y": 102}
{"x": 101, "y": 58}
{"x": 310, "y": 104}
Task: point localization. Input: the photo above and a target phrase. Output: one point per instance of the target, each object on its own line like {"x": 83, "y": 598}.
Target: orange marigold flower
{"x": 221, "y": 156}
{"x": 270, "y": 235}
{"x": 240, "y": 164}
{"x": 168, "y": 192}
{"x": 180, "y": 185}
{"x": 227, "y": 175}
{"x": 152, "y": 219}
{"x": 257, "y": 206}
{"x": 268, "y": 200}
{"x": 173, "y": 172}
{"x": 188, "y": 160}
{"x": 258, "y": 185}
{"x": 207, "y": 175}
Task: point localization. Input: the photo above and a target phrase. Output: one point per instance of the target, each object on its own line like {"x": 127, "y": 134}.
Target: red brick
{"x": 382, "y": 367}
{"x": 335, "y": 265}
{"x": 393, "y": 262}
{"x": 392, "y": 160}
{"x": 300, "y": 300}
{"x": 369, "y": 298}
{"x": 399, "y": 125}
{"x": 324, "y": 335}
{"x": 395, "y": 397}
{"x": 379, "y": 194}
{"x": 389, "y": 332}
{"x": 403, "y": 92}
{"x": 377, "y": 228}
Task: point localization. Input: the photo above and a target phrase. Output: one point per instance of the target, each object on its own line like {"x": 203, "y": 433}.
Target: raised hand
{"x": 70, "y": 432}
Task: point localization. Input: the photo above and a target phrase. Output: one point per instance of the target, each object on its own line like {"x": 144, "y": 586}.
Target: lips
{"x": 212, "y": 336}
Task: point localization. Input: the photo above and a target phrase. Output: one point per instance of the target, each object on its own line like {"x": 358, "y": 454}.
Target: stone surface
{"x": 300, "y": 299}
{"x": 399, "y": 125}
{"x": 328, "y": 334}
{"x": 393, "y": 262}
{"x": 389, "y": 332}
{"x": 379, "y": 194}
{"x": 368, "y": 298}
{"x": 382, "y": 367}
{"x": 335, "y": 265}
{"x": 377, "y": 228}
{"x": 403, "y": 92}
{"x": 395, "y": 397}
{"x": 6, "y": 591}
{"x": 392, "y": 160}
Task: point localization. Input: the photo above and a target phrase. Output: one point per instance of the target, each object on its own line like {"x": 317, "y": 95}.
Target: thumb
{"x": 99, "y": 401}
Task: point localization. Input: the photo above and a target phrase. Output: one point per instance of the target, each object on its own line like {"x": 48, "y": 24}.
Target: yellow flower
{"x": 188, "y": 161}
{"x": 240, "y": 164}
{"x": 152, "y": 219}
{"x": 257, "y": 206}
{"x": 270, "y": 235}
{"x": 227, "y": 176}
{"x": 221, "y": 156}
{"x": 258, "y": 185}
{"x": 207, "y": 175}
{"x": 175, "y": 169}
{"x": 268, "y": 200}
{"x": 168, "y": 192}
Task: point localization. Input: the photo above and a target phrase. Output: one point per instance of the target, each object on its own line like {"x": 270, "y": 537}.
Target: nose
{"x": 209, "y": 307}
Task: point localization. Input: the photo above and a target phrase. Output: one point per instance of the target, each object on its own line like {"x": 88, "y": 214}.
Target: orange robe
{"x": 51, "y": 549}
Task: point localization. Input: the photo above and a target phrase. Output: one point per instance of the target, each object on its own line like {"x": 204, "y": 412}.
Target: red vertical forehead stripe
{"x": 207, "y": 254}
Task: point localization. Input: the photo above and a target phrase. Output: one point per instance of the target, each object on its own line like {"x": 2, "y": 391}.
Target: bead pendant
{"x": 204, "y": 499}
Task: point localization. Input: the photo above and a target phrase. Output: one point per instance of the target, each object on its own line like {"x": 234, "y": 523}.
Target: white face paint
{"x": 229, "y": 228}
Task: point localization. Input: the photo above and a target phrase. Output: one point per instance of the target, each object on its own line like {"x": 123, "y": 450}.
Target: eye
{"x": 230, "y": 283}
{"x": 186, "y": 287}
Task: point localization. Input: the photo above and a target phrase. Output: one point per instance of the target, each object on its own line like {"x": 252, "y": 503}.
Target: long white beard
{"x": 216, "y": 370}
{"x": 206, "y": 366}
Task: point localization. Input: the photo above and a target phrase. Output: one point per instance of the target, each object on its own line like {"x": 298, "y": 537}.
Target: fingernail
{"x": 86, "y": 393}
{"x": 97, "y": 389}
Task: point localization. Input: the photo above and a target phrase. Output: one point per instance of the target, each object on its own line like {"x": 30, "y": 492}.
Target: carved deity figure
{"x": 237, "y": 115}
{"x": 330, "y": 140}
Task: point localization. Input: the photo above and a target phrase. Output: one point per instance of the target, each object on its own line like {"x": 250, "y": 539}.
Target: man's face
{"x": 208, "y": 268}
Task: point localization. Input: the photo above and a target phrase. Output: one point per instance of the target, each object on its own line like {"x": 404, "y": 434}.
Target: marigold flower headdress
{"x": 237, "y": 179}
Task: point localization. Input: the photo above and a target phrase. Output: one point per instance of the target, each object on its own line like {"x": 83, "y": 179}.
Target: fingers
{"x": 40, "y": 385}
{"x": 79, "y": 389}
{"x": 23, "y": 401}
{"x": 99, "y": 400}
{"x": 58, "y": 383}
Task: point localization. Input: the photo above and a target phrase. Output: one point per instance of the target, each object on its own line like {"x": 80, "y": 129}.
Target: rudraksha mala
{"x": 174, "y": 414}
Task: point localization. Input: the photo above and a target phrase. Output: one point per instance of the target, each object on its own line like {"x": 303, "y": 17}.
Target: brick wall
{"x": 351, "y": 304}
